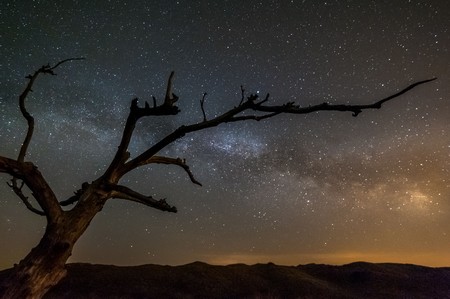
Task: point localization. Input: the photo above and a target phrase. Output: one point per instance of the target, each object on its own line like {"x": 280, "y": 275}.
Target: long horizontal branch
{"x": 252, "y": 103}
{"x": 355, "y": 109}
{"x": 122, "y": 192}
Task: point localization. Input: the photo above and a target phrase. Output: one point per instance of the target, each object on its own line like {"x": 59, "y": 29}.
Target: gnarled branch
{"x": 126, "y": 193}
{"x": 41, "y": 191}
{"x": 179, "y": 133}
{"x": 252, "y": 103}
{"x": 172, "y": 161}
{"x": 18, "y": 191}
{"x": 356, "y": 109}
{"x": 46, "y": 69}
{"x": 136, "y": 112}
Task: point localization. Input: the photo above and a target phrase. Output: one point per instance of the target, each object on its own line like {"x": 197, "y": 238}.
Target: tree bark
{"x": 44, "y": 266}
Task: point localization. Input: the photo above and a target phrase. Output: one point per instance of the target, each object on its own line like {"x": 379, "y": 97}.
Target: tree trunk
{"x": 44, "y": 266}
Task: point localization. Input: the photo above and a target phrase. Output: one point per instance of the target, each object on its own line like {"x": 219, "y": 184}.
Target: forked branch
{"x": 33, "y": 179}
{"x": 46, "y": 69}
{"x": 136, "y": 112}
{"x": 18, "y": 191}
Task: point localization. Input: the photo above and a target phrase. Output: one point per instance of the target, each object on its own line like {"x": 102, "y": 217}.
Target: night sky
{"x": 318, "y": 188}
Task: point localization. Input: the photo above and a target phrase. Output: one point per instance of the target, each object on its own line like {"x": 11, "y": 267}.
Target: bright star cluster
{"x": 324, "y": 187}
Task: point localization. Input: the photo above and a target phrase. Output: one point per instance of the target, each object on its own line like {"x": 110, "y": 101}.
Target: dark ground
{"x": 199, "y": 280}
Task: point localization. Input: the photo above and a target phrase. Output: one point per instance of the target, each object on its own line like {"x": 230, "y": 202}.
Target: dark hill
{"x": 199, "y": 280}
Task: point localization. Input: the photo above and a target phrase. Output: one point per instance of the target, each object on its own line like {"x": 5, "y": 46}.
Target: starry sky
{"x": 295, "y": 189}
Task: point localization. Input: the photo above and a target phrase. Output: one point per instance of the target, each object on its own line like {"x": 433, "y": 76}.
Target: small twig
{"x": 202, "y": 103}
{"x": 242, "y": 95}
{"x": 170, "y": 98}
{"x": 265, "y": 99}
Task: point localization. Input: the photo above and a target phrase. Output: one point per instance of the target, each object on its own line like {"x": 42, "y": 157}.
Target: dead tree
{"x": 44, "y": 266}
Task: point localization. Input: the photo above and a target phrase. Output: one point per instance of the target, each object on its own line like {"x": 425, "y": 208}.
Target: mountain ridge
{"x": 202, "y": 280}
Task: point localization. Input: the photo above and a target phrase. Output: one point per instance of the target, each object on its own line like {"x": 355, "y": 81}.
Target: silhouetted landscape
{"x": 200, "y": 280}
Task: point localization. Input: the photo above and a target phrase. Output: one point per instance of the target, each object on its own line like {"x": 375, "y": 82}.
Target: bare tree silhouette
{"x": 44, "y": 266}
